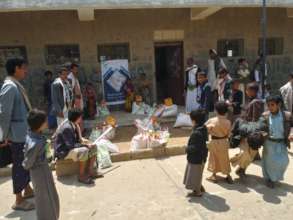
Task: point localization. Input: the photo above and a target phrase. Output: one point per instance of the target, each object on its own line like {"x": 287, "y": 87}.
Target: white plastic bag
{"x": 170, "y": 111}
{"x": 112, "y": 148}
{"x": 139, "y": 141}
{"x": 142, "y": 109}
{"x": 162, "y": 138}
{"x": 104, "y": 159}
{"x": 103, "y": 111}
{"x": 111, "y": 134}
{"x": 183, "y": 120}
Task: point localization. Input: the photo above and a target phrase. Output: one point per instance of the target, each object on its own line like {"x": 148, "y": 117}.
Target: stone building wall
{"x": 137, "y": 27}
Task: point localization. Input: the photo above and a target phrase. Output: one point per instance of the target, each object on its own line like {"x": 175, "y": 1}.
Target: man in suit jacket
{"x": 14, "y": 106}
{"x": 69, "y": 144}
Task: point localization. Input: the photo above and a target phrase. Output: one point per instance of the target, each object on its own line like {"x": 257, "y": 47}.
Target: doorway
{"x": 169, "y": 71}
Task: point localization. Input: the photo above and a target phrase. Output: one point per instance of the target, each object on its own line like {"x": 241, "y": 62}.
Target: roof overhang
{"x": 33, "y": 5}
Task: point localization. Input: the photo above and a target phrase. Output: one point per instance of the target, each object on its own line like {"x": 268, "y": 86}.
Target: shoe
{"x": 194, "y": 194}
{"x": 240, "y": 172}
{"x": 229, "y": 180}
{"x": 270, "y": 184}
{"x": 96, "y": 176}
{"x": 24, "y": 206}
{"x": 87, "y": 181}
{"x": 212, "y": 179}
{"x": 257, "y": 157}
{"x": 202, "y": 189}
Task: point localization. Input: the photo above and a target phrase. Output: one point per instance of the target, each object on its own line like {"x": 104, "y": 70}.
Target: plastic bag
{"x": 111, "y": 134}
{"x": 183, "y": 120}
{"x": 142, "y": 109}
{"x": 112, "y": 148}
{"x": 158, "y": 139}
{"x": 104, "y": 111}
{"x": 139, "y": 141}
{"x": 95, "y": 134}
{"x": 104, "y": 159}
{"x": 170, "y": 111}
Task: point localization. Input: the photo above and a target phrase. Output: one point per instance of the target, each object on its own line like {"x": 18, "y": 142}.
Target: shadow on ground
{"x": 31, "y": 215}
{"x": 257, "y": 184}
{"x": 211, "y": 202}
{"x": 73, "y": 181}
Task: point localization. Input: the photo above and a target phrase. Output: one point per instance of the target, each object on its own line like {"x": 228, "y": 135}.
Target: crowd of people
{"x": 22, "y": 127}
{"x": 246, "y": 117}
{"x": 22, "y": 135}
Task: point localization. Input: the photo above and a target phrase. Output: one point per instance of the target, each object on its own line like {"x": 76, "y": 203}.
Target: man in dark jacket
{"x": 205, "y": 96}
{"x": 69, "y": 144}
{"x": 252, "y": 113}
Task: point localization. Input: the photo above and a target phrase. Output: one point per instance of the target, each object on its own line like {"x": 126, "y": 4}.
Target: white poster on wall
{"x": 115, "y": 74}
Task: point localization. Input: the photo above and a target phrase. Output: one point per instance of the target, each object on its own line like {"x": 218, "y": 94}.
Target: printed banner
{"x": 115, "y": 74}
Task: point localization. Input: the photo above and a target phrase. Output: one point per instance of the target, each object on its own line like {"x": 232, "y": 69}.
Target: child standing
{"x": 46, "y": 196}
{"x": 236, "y": 99}
{"x": 277, "y": 124}
{"x": 197, "y": 153}
{"x": 219, "y": 128}
{"x": 205, "y": 96}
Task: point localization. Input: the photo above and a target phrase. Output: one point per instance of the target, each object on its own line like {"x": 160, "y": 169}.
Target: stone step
{"x": 68, "y": 167}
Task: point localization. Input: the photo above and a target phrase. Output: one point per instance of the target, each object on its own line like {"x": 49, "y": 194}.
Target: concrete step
{"x": 68, "y": 167}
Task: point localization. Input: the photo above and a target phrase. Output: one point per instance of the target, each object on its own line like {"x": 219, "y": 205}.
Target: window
{"x": 113, "y": 51}
{"x": 7, "y": 52}
{"x": 275, "y": 45}
{"x": 60, "y": 54}
{"x": 235, "y": 45}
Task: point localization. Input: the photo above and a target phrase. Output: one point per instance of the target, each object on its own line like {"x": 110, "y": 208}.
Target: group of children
{"x": 275, "y": 124}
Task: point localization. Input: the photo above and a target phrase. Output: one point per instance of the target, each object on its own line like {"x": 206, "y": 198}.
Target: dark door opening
{"x": 169, "y": 71}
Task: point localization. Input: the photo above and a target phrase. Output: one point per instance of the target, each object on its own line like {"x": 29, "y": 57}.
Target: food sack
{"x": 170, "y": 111}
{"x": 183, "y": 120}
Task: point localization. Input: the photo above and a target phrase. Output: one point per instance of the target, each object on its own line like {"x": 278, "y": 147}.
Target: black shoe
{"x": 240, "y": 172}
{"x": 229, "y": 180}
{"x": 257, "y": 157}
{"x": 270, "y": 184}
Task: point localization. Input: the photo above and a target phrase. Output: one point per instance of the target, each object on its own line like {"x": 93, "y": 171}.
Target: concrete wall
{"x": 137, "y": 27}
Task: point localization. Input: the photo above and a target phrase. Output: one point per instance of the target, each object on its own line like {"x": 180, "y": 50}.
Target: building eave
{"x": 35, "y": 5}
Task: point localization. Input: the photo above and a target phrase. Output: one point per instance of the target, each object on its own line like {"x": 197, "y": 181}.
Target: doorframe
{"x": 164, "y": 44}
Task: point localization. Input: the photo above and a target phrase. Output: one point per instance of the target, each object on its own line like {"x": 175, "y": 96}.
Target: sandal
{"x": 194, "y": 194}
{"x": 24, "y": 206}
{"x": 212, "y": 179}
{"x": 29, "y": 196}
{"x": 87, "y": 181}
{"x": 97, "y": 176}
{"x": 229, "y": 180}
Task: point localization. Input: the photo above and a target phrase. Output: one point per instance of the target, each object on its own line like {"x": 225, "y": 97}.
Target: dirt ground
{"x": 124, "y": 135}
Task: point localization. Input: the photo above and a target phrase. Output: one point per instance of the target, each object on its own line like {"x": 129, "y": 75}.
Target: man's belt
{"x": 218, "y": 138}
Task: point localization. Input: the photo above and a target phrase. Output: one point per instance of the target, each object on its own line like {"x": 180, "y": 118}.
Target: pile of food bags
{"x": 149, "y": 134}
